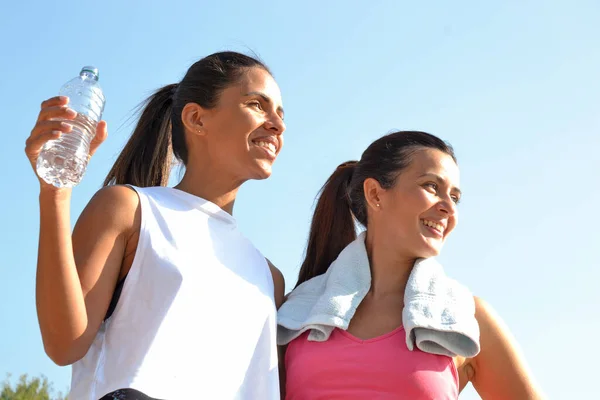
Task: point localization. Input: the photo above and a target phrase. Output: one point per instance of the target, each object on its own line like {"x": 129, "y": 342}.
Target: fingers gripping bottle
{"x": 63, "y": 161}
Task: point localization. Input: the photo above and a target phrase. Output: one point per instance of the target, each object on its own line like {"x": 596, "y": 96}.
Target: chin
{"x": 263, "y": 176}
{"x": 430, "y": 250}
{"x": 428, "y": 254}
{"x": 261, "y": 172}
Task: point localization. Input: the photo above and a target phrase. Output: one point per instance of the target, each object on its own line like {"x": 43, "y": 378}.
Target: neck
{"x": 210, "y": 185}
{"x": 390, "y": 269}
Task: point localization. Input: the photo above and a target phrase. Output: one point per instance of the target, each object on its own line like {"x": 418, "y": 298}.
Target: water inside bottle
{"x": 63, "y": 161}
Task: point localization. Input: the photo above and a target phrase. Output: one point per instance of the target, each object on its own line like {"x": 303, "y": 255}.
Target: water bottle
{"x": 63, "y": 161}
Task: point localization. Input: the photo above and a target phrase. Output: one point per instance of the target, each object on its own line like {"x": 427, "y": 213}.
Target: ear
{"x": 373, "y": 193}
{"x": 193, "y": 116}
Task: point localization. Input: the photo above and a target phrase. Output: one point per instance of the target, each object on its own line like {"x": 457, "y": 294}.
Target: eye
{"x": 432, "y": 185}
{"x": 434, "y": 189}
{"x": 255, "y": 104}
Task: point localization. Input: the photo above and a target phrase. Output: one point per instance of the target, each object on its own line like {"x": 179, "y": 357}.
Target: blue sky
{"x": 513, "y": 85}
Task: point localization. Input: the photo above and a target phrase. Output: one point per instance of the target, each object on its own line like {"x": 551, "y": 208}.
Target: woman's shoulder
{"x": 116, "y": 197}
{"x": 117, "y": 205}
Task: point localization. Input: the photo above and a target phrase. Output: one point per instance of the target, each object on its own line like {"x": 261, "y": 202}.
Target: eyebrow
{"x": 440, "y": 179}
{"x": 267, "y": 99}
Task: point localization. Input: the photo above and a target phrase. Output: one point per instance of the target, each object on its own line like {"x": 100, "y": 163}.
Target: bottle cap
{"x": 91, "y": 70}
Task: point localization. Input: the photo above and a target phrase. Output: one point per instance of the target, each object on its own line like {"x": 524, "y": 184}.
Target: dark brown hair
{"x": 342, "y": 198}
{"x": 147, "y": 158}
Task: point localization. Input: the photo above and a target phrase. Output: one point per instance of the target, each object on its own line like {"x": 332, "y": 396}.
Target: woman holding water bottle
{"x": 148, "y": 285}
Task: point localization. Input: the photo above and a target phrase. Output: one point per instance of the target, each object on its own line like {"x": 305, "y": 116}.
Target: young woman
{"x": 144, "y": 297}
{"x": 404, "y": 191}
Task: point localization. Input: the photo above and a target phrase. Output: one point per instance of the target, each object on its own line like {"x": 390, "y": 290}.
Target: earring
{"x": 377, "y": 204}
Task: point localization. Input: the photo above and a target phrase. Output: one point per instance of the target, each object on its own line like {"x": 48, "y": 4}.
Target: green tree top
{"x": 28, "y": 389}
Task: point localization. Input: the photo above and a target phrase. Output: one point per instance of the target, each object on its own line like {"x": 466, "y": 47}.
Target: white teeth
{"x": 435, "y": 225}
{"x": 268, "y": 145}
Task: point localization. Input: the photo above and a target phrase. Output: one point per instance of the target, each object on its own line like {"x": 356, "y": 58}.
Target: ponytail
{"x": 342, "y": 200}
{"x": 159, "y": 136}
{"x": 332, "y": 227}
{"x": 146, "y": 159}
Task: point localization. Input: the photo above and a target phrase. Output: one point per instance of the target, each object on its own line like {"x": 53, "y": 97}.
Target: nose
{"x": 275, "y": 124}
{"x": 447, "y": 206}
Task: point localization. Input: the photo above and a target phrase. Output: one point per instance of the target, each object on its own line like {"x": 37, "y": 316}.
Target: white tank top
{"x": 196, "y": 317}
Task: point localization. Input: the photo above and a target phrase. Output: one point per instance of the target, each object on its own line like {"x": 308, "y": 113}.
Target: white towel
{"x": 438, "y": 314}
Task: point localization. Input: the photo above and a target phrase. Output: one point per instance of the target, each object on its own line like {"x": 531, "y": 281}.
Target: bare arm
{"x": 499, "y": 370}
{"x": 76, "y": 275}
{"x": 279, "y": 283}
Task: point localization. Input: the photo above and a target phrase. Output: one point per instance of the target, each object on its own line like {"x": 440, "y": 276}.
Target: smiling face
{"x": 243, "y": 133}
{"x": 420, "y": 210}
{"x": 246, "y": 126}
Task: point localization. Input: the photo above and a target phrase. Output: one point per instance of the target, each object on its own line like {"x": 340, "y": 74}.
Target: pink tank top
{"x": 345, "y": 367}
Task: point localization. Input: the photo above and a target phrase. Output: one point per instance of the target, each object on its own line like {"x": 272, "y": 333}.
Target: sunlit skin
{"x": 237, "y": 140}
{"x": 412, "y": 220}
{"x": 419, "y": 212}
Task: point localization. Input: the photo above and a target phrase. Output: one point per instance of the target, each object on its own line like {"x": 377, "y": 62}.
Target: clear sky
{"x": 513, "y": 85}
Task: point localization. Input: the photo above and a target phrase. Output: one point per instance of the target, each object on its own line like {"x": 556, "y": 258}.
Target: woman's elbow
{"x": 63, "y": 355}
